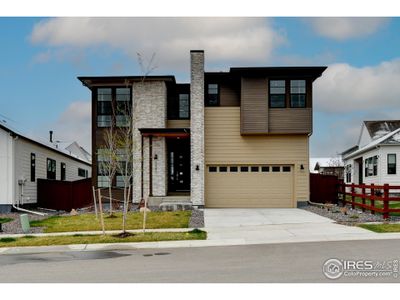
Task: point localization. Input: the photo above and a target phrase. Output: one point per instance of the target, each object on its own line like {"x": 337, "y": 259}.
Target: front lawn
{"x": 381, "y": 227}
{"x": 378, "y": 204}
{"x": 5, "y": 220}
{"x": 30, "y": 240}
{"x": 88, "y": 222}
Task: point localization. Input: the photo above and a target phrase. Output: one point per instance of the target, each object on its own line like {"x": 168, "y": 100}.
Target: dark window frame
{"x": 82, "y": 173}
{"x": 297, "y": 94}
{"x": 33, "y": 167}
{"x": 392, "y": 167}
{"x": 284, "y": 94}
{"x": 51, "y": 167}
{"x": 207, "y": 100}
{"x": 63, "y": 170}
{"x": 179, "y": 107}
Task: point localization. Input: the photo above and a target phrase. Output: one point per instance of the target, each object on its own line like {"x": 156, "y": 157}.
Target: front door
{"x": 360, "y": 171}
{"x": 178, "y": 164}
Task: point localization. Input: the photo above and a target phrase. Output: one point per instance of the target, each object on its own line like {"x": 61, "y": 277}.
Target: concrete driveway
{"x": 276, "y": 225}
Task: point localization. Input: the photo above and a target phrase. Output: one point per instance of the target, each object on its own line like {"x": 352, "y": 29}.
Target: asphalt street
{"x": 291, "y": 262}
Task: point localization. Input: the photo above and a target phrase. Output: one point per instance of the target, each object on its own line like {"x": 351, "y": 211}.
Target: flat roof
{"x": 90, "y": 81}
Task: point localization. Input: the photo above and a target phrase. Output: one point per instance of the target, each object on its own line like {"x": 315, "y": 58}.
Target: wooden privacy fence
{"x": 64, "y": 195}
{"x": 357, "y": 194}
{"x": 324, "y": 188}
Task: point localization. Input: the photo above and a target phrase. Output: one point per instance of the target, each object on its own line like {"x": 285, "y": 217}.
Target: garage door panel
{"x": 249, "y": 189}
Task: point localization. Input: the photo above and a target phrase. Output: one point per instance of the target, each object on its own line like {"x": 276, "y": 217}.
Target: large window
{"x": 104, "y": 107}
{"x": 391, "y": 163}
{"x": 297, "y": 93}
{"x": 277, "y": 93}
{"x": 82, "y": 172}
{"x": 348, "y": 173}
{"x": 212, "y": 95}
{"x": 51, "y": 168}
{"x": 184, "y": 106}
{"x": 371, "y": 166}
{"x": 124, "y": 106}
{"x": 33, "y": 167}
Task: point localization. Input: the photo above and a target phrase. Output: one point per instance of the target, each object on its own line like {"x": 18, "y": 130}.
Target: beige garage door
{"x": 249, "y": 186}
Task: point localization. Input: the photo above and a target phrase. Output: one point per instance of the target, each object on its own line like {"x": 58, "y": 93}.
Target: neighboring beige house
{"x": 228, "y": 139}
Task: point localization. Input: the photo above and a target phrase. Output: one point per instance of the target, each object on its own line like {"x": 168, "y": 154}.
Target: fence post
{"x": 363, "y": 197}
{"x": 352, "y": 196}
{"x": 372, "y": 200}
{"x": 95, "y": 203}
{"x": 386, "y": 201}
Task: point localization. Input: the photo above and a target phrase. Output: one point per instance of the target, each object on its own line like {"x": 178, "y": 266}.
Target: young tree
{"x": 108, "y": 160}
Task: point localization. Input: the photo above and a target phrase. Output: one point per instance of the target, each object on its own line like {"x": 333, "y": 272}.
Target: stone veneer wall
{"x": 149, "y": 110}
{"x": 197, "y": 127}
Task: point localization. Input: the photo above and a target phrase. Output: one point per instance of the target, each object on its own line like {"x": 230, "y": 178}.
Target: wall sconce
{"x": 197, "y": 168}
{"x": 301, "y": 167}
{"x": 155, "y": 156}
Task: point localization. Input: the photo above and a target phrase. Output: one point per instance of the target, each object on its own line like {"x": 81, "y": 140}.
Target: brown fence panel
{"x": 64, "y": 195}
{"x": 324, "y": 188}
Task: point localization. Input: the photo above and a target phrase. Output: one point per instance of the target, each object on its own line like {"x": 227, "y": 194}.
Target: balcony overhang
{"x": 165, "y": 132}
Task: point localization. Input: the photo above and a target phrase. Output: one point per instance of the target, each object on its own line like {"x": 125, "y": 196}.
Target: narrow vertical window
{"x": 297, "y": 93}
{"x": 33, "y": 167}
{"x": 391, "y": 163}
{"x": 212, "y": 95}
{"x": 124, "y": 109}
{"x": 63, "y": 170}
{"x": 183, "y": 106}
{"x": 104, "y": 107}
{"x": 277, "y": 94}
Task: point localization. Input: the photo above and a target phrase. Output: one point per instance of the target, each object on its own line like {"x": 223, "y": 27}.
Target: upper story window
{"x": 104, "y": 107}
{"x": 277, "y": 93}
{"x": 297, "y": 93}
{"x": 183, "y": 106}
{"x": 82, "y": 172}
{"x": 51, "y": 168}
{"x": 371, "y": 166}
{"x": 33, "y": 167}
{"x": 123, "y": 98}
{"x": 348, "y": 173}
{"x": 391, "y": 163}
{"x": 212, "y": 94}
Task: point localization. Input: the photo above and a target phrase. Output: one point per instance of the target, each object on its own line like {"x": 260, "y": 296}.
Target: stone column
{"x": 197, "y": 127}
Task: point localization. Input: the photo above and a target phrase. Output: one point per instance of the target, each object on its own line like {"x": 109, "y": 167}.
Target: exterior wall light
{"x": 301, "y": 167}
{"x": 197, "y": 168}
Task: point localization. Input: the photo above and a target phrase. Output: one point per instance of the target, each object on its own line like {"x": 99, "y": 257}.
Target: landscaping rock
{"x": 73, "y": 212}
{"x": 142, "y": 209}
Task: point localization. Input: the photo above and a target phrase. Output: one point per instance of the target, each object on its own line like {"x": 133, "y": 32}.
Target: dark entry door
{"x": 360, "y": 171}
{"x": 178, "y": 165}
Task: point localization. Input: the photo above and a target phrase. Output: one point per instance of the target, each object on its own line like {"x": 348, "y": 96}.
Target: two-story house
{"x": 227, "y": 139}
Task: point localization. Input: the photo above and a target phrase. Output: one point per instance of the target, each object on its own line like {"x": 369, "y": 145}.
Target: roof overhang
{"x": 166, "y": 132}
{"x": 92, "y": 81}
{"x": 280, "y": 72}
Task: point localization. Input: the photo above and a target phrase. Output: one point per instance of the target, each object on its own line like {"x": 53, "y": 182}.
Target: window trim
{"x": 395, "y": 164}
{"x": 207, "y": 102}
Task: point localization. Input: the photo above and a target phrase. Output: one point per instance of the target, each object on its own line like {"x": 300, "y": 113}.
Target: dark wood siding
{"x": 254, "y": 106}
{"x": 290, "y": 120}
{"x": 229, "y": 95}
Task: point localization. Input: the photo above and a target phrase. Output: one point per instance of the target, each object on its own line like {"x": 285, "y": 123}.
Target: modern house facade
{"x": 226, "y": 139}
{"x": 374, "y": 158}
{"x": 24, "y": 160}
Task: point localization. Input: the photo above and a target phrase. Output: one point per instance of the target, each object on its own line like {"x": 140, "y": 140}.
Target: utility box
{"x": 25, "y": 223}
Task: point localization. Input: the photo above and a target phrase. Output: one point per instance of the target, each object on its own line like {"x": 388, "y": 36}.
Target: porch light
{"x": 301, "y": 167}
{"x": 197, "y": 168}
{"x": 155, "y": 156}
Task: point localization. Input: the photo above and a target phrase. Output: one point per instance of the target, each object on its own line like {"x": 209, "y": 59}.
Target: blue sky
{"x": 41, "y": 58}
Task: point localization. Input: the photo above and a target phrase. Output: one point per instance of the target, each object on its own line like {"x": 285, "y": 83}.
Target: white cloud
{"x": 249, "y": 40}
{"x": 74, "y": 124}
{"x": 344, "y": 88}
{"x": 342, "y": 28}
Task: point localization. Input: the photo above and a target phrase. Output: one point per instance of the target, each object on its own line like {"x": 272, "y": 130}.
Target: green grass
{"x": 96, "y": 239}
{"x": 5, "y": 220}
{"x": 88, "y": 222}
{"x": 378, "y": 204}
{"x": 381, "y": 227}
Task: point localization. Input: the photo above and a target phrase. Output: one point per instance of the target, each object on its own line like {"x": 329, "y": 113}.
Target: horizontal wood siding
{"x": 254, "y": 105}
{"x": 178, "y": 123}
{"x": 225, "y": 145}
{"x": 290, "y": 120}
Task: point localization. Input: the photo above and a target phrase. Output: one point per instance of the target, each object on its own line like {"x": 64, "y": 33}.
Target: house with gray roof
{"x": 374, "y": 158}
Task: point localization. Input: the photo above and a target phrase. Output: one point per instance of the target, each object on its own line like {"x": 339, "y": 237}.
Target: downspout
{"x": 14, "y": 178}
{"x": 150, "y": 165}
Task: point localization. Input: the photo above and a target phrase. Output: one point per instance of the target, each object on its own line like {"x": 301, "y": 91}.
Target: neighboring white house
{"x": 23, "y": 160}
{"x": 374, "y": 158}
